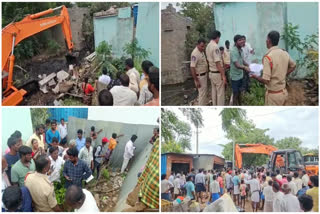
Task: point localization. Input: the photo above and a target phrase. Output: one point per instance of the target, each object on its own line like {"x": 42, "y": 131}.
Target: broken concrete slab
{"x": 46, "y": 79}
{"x": 65, "y": 86}
{"x": 62, "y": 75}
{"x": 56, "y": 90}
{"x": 44, "y": 89}
{"x": 52, "y": 83}
{"x": 58, "y": 103}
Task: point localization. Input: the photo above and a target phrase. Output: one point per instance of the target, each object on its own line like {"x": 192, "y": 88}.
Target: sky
{"x": 282, "y": 122}
{"x": 140, "y": 115}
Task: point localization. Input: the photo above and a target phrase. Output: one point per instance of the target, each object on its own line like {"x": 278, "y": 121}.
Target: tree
{"x": 176, "y": 134}
{"x": 39, "y": 116}
{"x": 194, "y": 116}
{"x": 203, "y": 24}
{"x": 289, "y": 142}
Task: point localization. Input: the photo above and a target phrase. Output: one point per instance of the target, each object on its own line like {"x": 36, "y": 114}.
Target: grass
{"x": 73, "y": 102}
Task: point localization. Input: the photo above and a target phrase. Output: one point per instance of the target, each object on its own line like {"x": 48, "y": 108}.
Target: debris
{"x": 65, "y": 86}
{"x": 75, "y": 95}
{"x": 52, "y": 83}
{"x": 91, "y": 57}
{"x": 56, "y": 90}
{"x": 61, "y": 95}
{"x": 46, "y": 79}
{"x": 58, "y": 103}
{"x": 40, "y": 76}
{"x": 22, "y": 69}
{"x": 62, "y": 75}
{"x": 44, "y": 89}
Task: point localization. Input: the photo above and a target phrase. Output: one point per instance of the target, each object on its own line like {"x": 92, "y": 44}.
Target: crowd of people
{"x": 267, "y": 191}
{"x": 127, "y": 88}
{"x": 231, "y": 66}
{"x": 30, "y": 169}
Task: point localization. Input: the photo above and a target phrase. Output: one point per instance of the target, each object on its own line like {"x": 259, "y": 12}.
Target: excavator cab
{"x": 286, "y": 160}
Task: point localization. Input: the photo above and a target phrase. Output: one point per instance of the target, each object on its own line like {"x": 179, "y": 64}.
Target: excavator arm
{"x": 253, "y": 149}
{"x": 14, "y": 33}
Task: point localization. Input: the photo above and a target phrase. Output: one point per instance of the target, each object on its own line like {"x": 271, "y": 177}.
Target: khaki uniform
{"x": 41, "y": 191}
{"x": 280, "y": 61}
{"x": 199, "y": 62}
{"x": 217, "y": 91}
{"x": 226, "y": 56}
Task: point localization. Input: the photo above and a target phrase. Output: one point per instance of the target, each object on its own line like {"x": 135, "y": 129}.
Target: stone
{"x": 52, "y": 83}
{"x": 56, "y": 103}
{"x": 62, "y": 75}
{"x": 44, "y": 89}
{"x": 46, "y": 79}
{"x": 40, "y": 76}
{"x": 56, "y": 90}
{"x": 65, "y": 86}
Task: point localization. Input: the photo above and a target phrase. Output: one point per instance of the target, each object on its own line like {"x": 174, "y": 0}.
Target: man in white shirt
{"x": 297, "y": 181}
{"x": 278, "y": 198}
{"x": 177, "y": 186}
{"x": 200, "y": 181}
{"x": 81, "y": 200}
{"x": 123, "y": 95}
{"x": 254, "y": 189}
{"x": 165, "y": 187}
{"x": 214, "y": 189}
{"x": 292, "y": 185}
{"x": 62, "y": 129}
{"x": 86, "y": 153}
{"x": 56, "y": 164}
{"x": 128, "y": 152}
{"x": 268, "y": 197}
{"x": 247, "y": 52}
{"x": 290, "y": 202}
{"x": 305, "y": 178}
{"x": 104, "y": 78}
{"x": 133, "y": 75}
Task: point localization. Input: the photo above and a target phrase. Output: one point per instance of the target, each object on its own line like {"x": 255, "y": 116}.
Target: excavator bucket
{"x": 15, "y": 98}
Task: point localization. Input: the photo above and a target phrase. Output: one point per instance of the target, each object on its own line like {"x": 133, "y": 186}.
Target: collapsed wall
{"x": 144, "y": 133}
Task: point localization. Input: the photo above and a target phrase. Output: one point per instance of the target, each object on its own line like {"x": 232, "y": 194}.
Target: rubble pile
{"x": 106, "y": 192}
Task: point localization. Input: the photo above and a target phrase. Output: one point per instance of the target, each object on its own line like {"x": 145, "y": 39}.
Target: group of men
{"x": 129, "y": 88}
{"x": 30, "y": 169}
{"x": 268, "y": 191}
{"x": 230, "y": 65}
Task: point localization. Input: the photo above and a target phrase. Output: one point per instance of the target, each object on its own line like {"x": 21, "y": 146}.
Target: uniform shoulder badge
{"x": 193, "y": 58}
{"x": 217, "y": 51}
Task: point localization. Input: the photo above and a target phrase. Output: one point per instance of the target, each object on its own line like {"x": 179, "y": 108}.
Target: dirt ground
{"x": 299, "y": 92}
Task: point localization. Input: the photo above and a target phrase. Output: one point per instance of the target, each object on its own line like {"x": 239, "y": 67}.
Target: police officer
{"x": 216, "y": 72}
{"x": 199, "y": 70}
{"x": 277, "y": 64}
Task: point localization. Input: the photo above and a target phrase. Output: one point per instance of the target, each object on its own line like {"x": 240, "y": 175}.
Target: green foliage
{"x": 135, "y": 51}
{"x": 256, "y": 95}
{"x": 39, "y": 116}
{"x": 59, "y": 189}
{"x": 307, "y": 48}
{"x": 171, "y": 146}
{"x": 194, "y": 115}
{"x": 106, "y": 174}
{"x": 176, "y": 134}
{"x": 104, "y": 51}
{"x": 203, "y": 24}
{"x": 53, "y": 47}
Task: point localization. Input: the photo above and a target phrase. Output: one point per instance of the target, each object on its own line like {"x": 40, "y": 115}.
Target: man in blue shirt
{"x": 75, "y": 170}
{"x": 190, "y": 188}
{"x": 51, "y": 133}
{"x": 80, "y": 141}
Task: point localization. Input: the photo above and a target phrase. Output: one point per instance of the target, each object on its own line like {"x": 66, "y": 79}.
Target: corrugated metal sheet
{"x": 65, "y": 113}
{"x": 163, "y": 164}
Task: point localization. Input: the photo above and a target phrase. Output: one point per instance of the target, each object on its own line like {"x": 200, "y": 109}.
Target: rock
{"x": 115, "y": 199}
{"x": 46, "y": 79}
{"x": 56, "y": 90}
{"x": 62, "y": 75}
{"x": 65, "y": 86}
{"x": 44, "y": 89}
{"x": 40, "y": 76}
{"x": 52, "y": 83}
{"x": 56, "y": 103}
